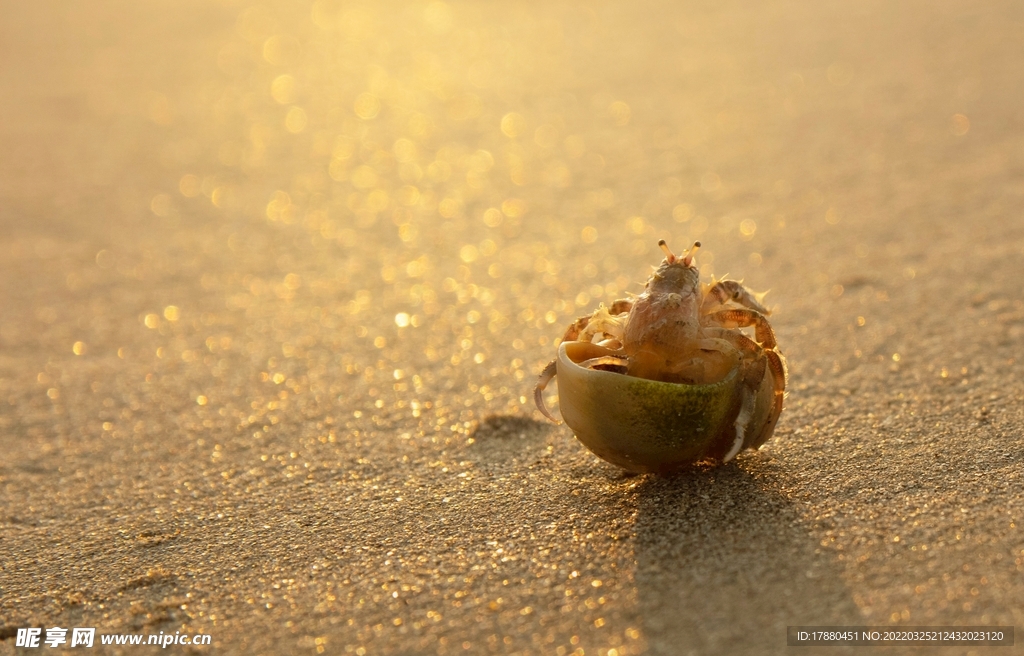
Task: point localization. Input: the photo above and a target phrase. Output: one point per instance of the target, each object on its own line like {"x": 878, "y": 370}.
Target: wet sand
{"x": 276, "y": 282}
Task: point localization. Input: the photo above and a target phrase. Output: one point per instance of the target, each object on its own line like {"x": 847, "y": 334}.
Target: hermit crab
{"x": 668, "y": 378}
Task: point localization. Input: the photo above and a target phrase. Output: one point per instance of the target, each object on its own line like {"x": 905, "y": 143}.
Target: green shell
{"x": 650, "y": 426}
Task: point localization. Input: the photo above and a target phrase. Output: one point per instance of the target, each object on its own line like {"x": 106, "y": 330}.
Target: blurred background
{"x": 274, "y": 260}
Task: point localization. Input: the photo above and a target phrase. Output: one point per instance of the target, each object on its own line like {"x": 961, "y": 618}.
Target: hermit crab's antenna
{"x": 669, "y": 255}
{"x": 688, "y": 260}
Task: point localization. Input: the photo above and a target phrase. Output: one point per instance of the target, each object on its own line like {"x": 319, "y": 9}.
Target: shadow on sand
{"x": 725, "y": 562}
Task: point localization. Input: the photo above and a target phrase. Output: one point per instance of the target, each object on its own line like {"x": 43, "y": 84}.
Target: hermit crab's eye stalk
{"x": 669, "y": 255}
{"x": 688, "y": 260}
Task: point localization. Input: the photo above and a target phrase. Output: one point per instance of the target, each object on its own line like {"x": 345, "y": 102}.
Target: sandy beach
{"x": 277, "y": 280}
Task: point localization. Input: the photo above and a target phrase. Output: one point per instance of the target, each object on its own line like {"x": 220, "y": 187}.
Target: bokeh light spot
{"x": 513, "y": 125}
{"x": 513, "y": 207}
{"x": 284, "y": 89}
{"x": 160, "y": 205}
{"x": 620, "y": 112}
{"x": 189, "y": 185}
{"x": 364, "y": 177}
{"x": 546, "y": 136}
{"x": 710, "y": 181}
{"x": 575, "y": 146}
{"x": 959, "y": 125}
{"x": 405, "y": 150}
{"x": 280, "y": 207}
{"x": 438, "y": 17}
{"x": 281, "y": 50}
{"x": 366, "y": 106}
{"x": 682, "y": 212}
{"x": 104, "y": 259}
{"x": 493, "y": 217}
{"x": 295, "y": 120}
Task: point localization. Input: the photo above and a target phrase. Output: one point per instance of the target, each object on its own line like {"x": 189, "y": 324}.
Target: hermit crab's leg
{"x": 744, "y": 318}
{"x": 602, "y": 322}
{"x": 724, "y": 291}
{"x": 613, "y": 324}
{"x": 601, "y": 318}
{"x": 620, "y": 306}
{"x": 722, "y": 344}
{"x": 753, "y": 373}
{"x": 542, "y": 382}
{"x": 735, "y": 341}
{"x": 574, "y": 330}
{"x": 778, "y": 368}
{"x": 613, "y": 360}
